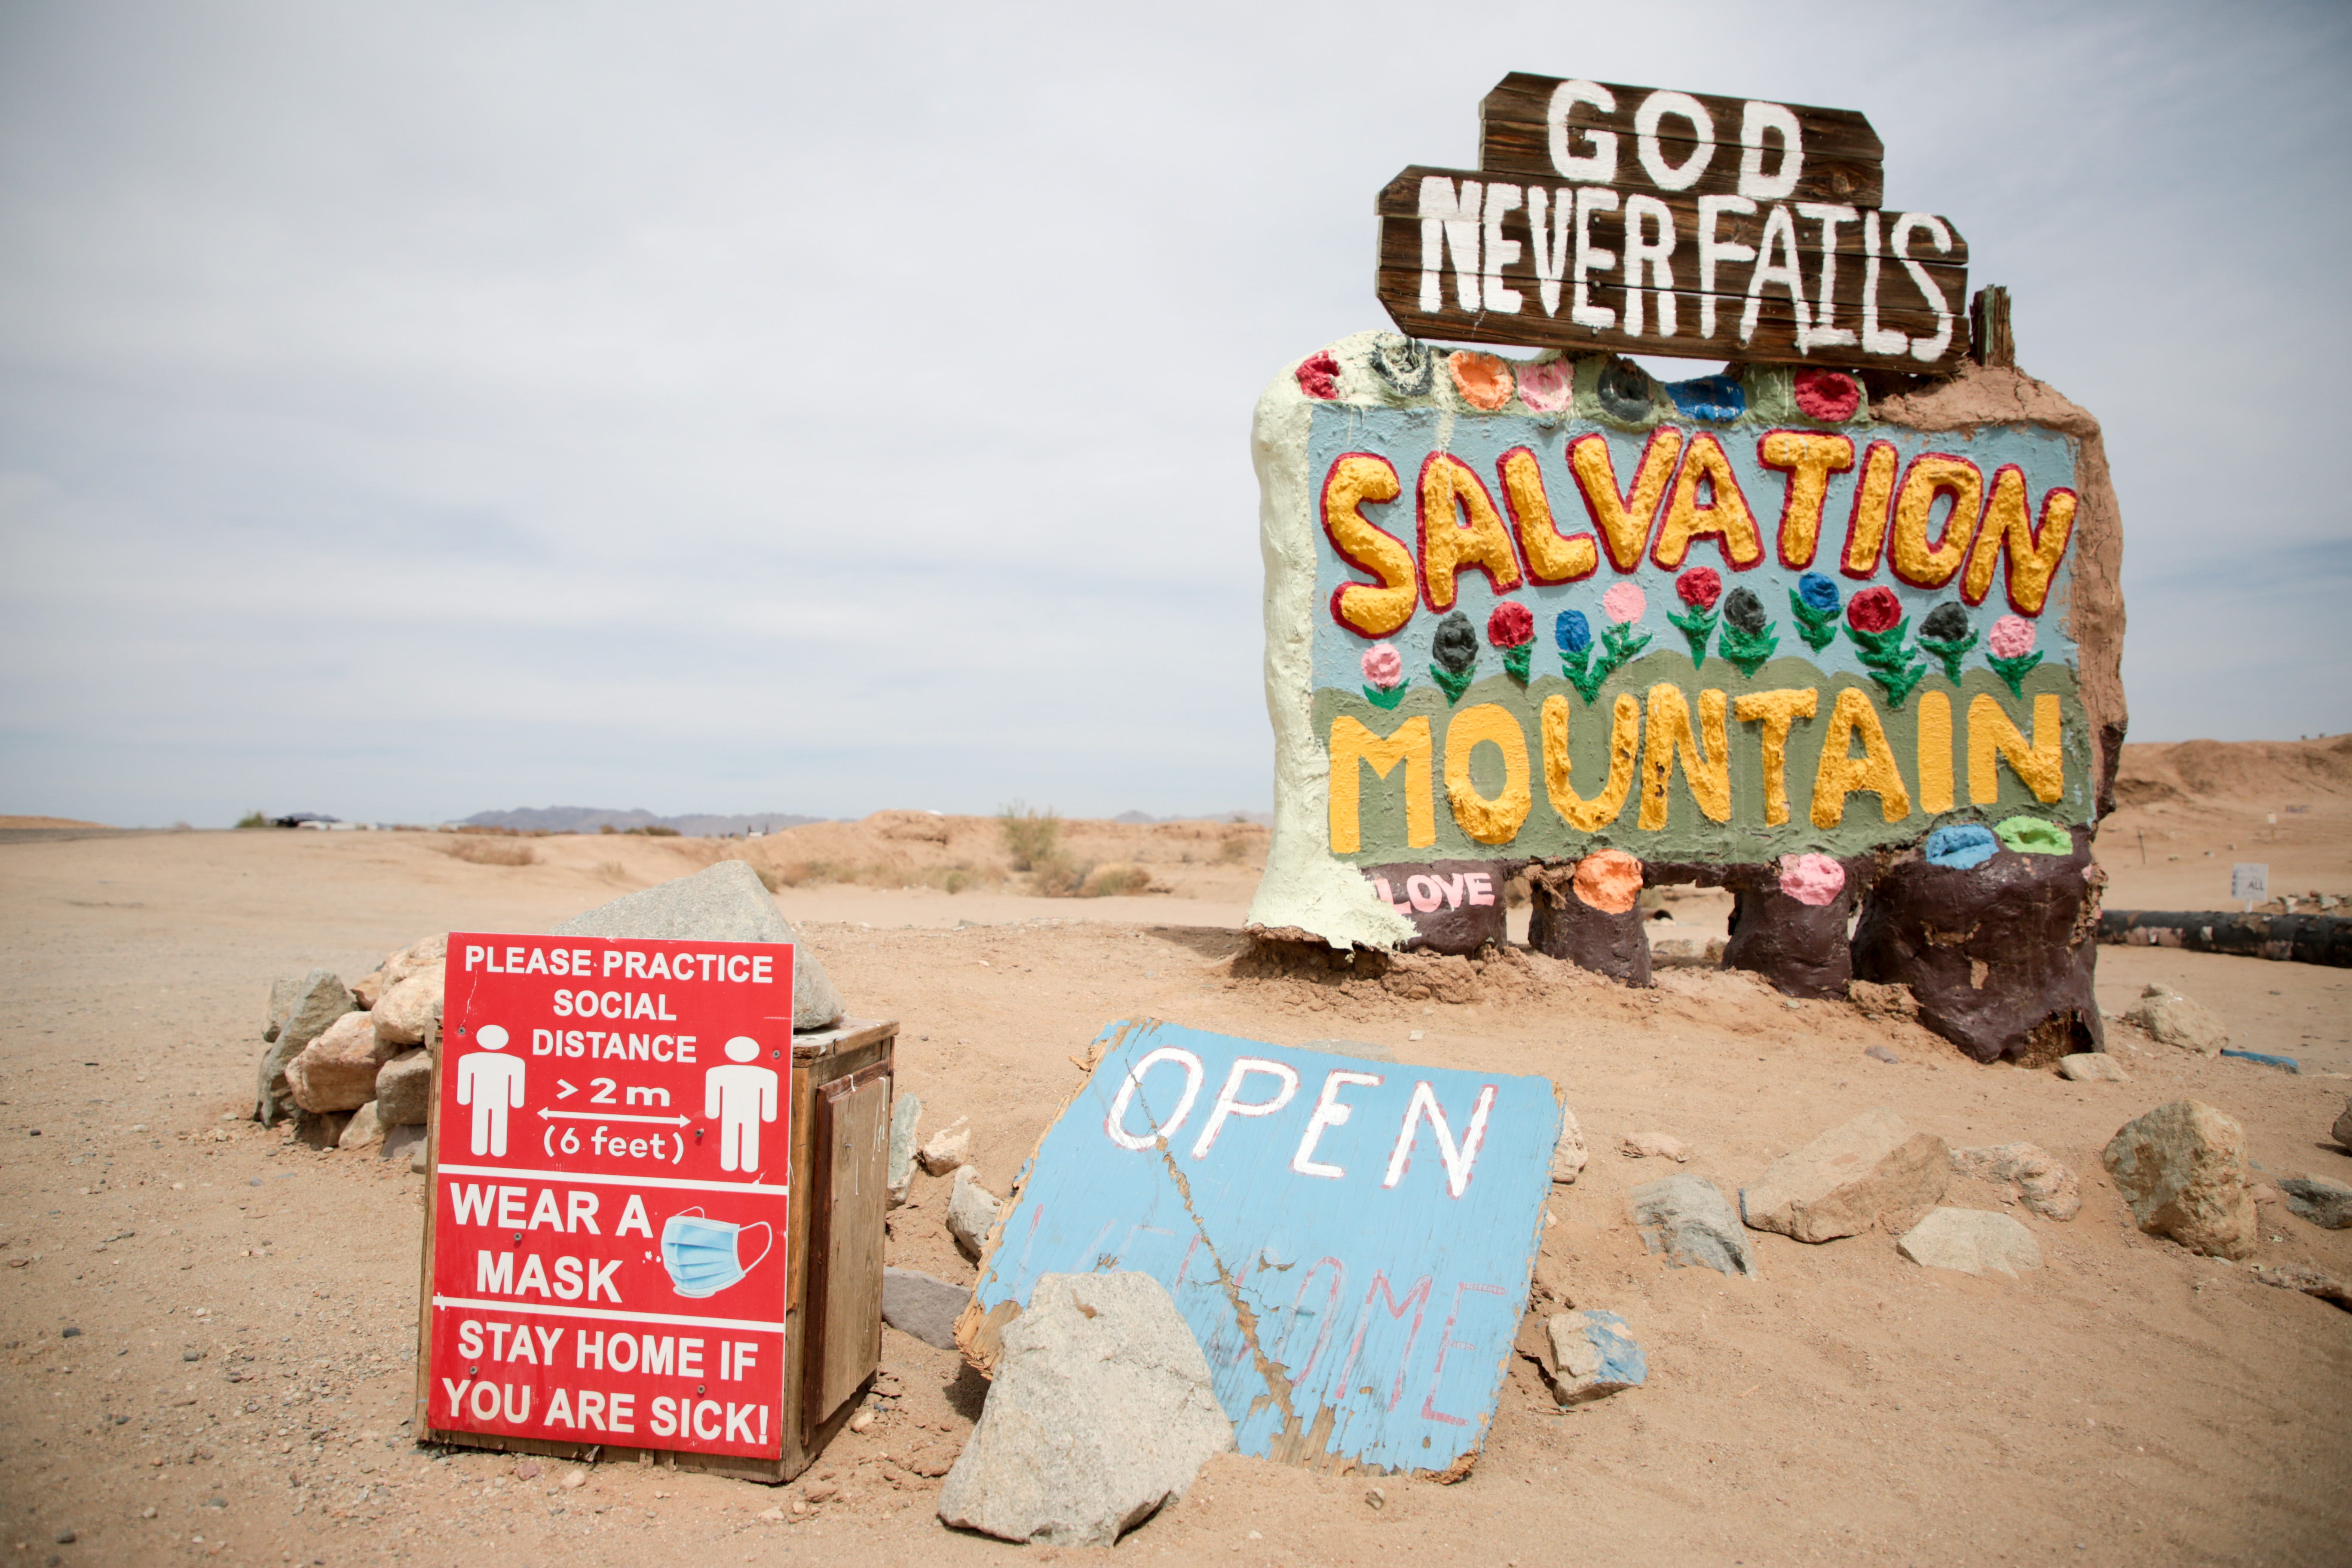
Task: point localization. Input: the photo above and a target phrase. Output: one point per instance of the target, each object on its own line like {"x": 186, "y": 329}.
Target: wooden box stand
{"x": 833, "y": 1340}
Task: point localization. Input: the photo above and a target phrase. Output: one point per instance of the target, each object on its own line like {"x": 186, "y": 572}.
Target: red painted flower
{"x": 1318, "y": 377}
{"x": 1700, "y": 587}
{"x": 1510, "y": 625}
{"x": 1873, "y": 610}
{"x": 1828, "y": 396}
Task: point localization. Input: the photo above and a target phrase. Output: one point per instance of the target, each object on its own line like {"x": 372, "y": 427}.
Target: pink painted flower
{"x": 2013, "y": 636}
{"x": 1700, "y": 587}
{"x": 1383, "y": 665}
{"x": 1815, "y": 880}
{"x": 1318, "y": 376}
{"x": 1827, "y": 395}
{"x": 1510, "y": 625}
{"x": 1548, "y": 387}
{"x": 1623, "y": 604}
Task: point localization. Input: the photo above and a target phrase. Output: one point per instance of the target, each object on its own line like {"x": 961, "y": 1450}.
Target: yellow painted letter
{"x": 1841, "y": 772}
{"x": 1362, "y": 608}
{"x": 1550, "y": 556}
{"x": 1352, "y": 743}
{"x": 2033, "y": 556}
{"x": 1623, "y": 523}
{"x": 1935, "y": 752}
{"x": 1495, "y": 821}
{"x": 1724, "y": 517}
{"x": 1992, "y": 739}
{"x": 1810, "y": 457}
{"x": 1708, "y": 768}
{"x": 1776, "y": 710}
{"x": 1624, "y": 741}
{"x": 1450, "y": 539}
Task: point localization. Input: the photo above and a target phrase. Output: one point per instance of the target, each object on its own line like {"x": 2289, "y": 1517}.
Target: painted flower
{"x": 1718, "y": 399}
{"x": 1510, "y": 625}
{"x": 1318, "y": 376}
{"x": 1744, "y": 611}
{"x": 1548, "y": 387}
{"x": 1624, "y": 603}
{"x": 1827, "y": 395}
{"x": 1700, "y": 587}
{"x": 2013, "y": 636}
{"x": 1383, "y": 665}
{"x": 1819, "y": 593}
{"x": 1456, "y": 647}
{"x": 1946, "y": 622}
{"x": 1873, "y": 610}
{"x": 1815, "y": 880}
{"x": 1572, "y": 632}
{"x": 1484, "y": 380}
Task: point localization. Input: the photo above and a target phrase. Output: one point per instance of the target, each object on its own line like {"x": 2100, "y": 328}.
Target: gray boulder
{"x": 2173, "y": 1019}
{"x": 906, "y": 1115}
{"x": 403, "y": 1089}
{"x": 726, "y": 903}
{"x": 1848, "y": 1179}
{"x": 313, "y": 1003}
{"x": 2342, "y": 1131}
{"x": 363, "y": 1131}
{"x": 972, "y": 1209}
{"x": 1100, "y": 1413}
{"x": 2092, "y": 1067}
{"x": 2325, "y": 1203}
{"x": 2182, "y": 1169}
{"x": 1688, "y": 1219}
{"x": 1973, "y": 1241}
{"x": 917, "y": 1303}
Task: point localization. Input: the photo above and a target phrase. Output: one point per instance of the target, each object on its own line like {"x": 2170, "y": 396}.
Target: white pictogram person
{"x": 490, "y": 1083}
{"x": 741, "y": 1097}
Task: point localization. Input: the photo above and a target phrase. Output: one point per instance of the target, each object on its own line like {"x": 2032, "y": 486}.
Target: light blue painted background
{"x": 1406, "y": 437}
{"x": 1089, "y": 1205}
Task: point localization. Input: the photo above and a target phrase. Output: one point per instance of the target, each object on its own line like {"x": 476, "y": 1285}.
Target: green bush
{"x": 254, "y": 820}
{"x": 1030, "y": 838}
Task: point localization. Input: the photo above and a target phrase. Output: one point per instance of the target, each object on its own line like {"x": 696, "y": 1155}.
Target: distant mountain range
{"x": 592, "y": 819}
{"x": 710, "y": 825}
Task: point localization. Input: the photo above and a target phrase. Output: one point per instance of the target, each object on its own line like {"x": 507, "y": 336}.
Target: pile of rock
{"x": 353, "y": 1064}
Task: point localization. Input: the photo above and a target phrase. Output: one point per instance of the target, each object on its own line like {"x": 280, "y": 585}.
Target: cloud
{"x": 409, "y": 411}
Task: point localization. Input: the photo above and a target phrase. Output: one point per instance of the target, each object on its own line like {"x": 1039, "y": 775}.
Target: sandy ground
{"x": 239, "y": 1384}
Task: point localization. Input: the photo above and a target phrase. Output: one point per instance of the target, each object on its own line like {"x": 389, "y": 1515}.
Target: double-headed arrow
{"x": 613, "y": 1116}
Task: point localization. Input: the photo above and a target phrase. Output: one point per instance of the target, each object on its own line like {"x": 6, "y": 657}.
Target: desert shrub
{"x": 1059, "y": 878}
{"x": 254, "y": 820}
{"x": 1115, "y": 881}
{"x": 769, "y": 879}
{"x": 1234, "y": 848}
{"x": 1031, "y": 838}
{"x": 653, "y": 830}
{"x": 612, "y": 870}
{"x": 490, "y": 852}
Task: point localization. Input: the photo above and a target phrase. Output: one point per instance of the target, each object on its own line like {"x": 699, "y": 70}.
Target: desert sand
{"x": 241, "y": 1383}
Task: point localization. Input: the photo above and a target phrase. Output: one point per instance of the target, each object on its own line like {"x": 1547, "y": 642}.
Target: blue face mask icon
{"x": 700, "y": 1252}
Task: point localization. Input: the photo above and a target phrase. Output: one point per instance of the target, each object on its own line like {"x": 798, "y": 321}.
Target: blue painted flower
{"x": 1819, "y": 593}
{"x": 1572, "y": 631}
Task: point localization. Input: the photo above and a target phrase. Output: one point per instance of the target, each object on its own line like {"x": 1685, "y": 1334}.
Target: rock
{"x": 403, "y": 1089}
{"x": 363, "y": 1131}
{"x": 1100, "y": 1412}
{"x": 316, "y": 1001}
{"x": 2173, "y": 1019}
{"x": 405, "y": 1014}
{"x": 916, "y": 1303}
{"x": 906, "y": 1113}
{"x": 369, "y": 988}
{"x": 405, "y": 1144}
{"x": 1593, "y": 1356}
{"x": 1688, "y": 1219}
{"x": 2309, "y": 1280}
{"x": 949, "y": 1149}
{"x": 2182, "y": 1169}
{"x": 1973, "y": 1241}
{"x": 1881, "y": 1054}
{"x": 2049, "y": 1188}
{"x": 1653, "y": 1146}
{"x": 2342, "y": 1131}
{"x": 2325, "y": 1203}
{"x": 1873, "y": 1000}
{"x": 336, "y": 1070}
{"x": 726, "y": 903}
{"x": 972, "y": 1209}
{"x": 1686, "y": 953}
{"x": 1567, "y": 1155}
{"x": 2092, "y": 1067}
{"x": 1869, "y": 1170}
{"x": 420, "y": 1163}
{"x": 282, "y": 992}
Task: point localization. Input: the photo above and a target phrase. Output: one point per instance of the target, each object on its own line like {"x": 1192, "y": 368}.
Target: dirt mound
{"x": 2245, "y": 772}
{"x": 39, "y": 821}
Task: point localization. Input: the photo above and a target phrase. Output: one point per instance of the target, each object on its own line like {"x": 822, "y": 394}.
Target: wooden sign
{"x": 1350, "y": 1240}
{"x": 1646, "y": 220}
{"x": 610, "y": 1194}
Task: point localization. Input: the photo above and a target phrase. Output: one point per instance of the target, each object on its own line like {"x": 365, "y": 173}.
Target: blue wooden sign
{"x": 1350, "y": 1240}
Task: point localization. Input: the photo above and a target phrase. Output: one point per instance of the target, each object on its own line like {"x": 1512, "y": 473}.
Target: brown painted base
{"x": 1801, "y": 948}
{"x": 2001, "y": 958}
{"x": 1561, "y": 925}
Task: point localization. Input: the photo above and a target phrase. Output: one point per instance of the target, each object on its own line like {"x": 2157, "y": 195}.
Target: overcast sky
{"x": 408, "y": 410}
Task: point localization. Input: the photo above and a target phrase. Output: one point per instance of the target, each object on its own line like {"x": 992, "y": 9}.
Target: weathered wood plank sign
{"x": 1651, "y": 221}
{"x": 1350, "y": 1240}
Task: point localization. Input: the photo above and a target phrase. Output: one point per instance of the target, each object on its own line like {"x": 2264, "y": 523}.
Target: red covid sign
{"x": 612, "y": 1188}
